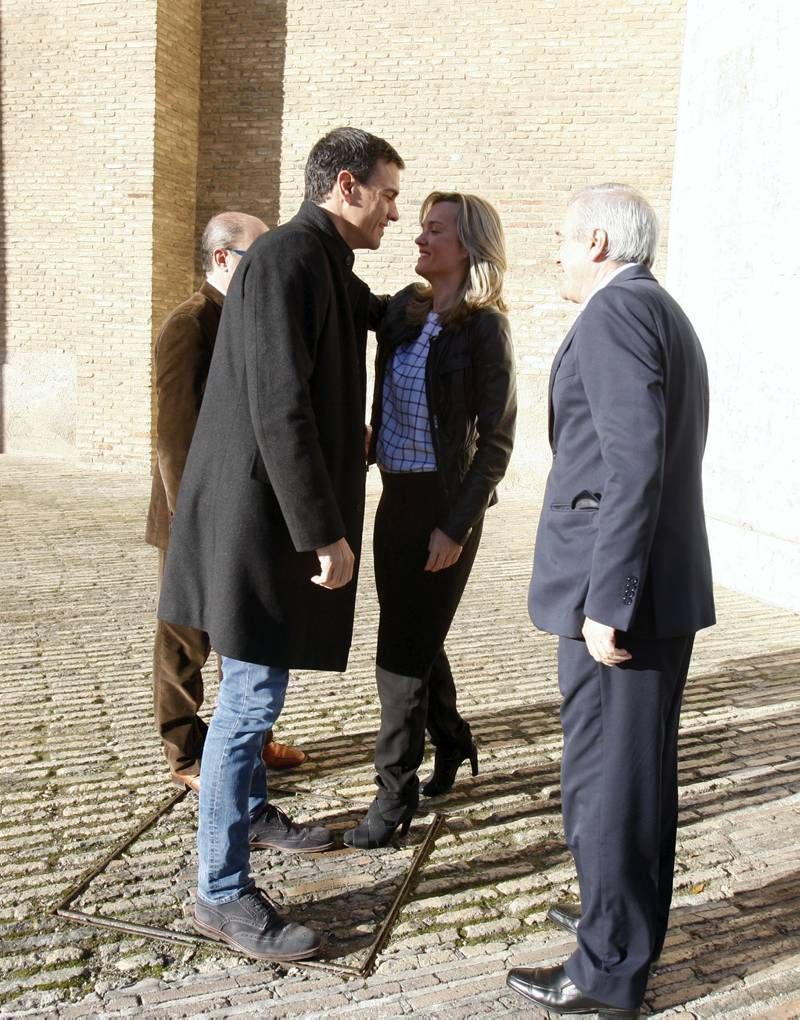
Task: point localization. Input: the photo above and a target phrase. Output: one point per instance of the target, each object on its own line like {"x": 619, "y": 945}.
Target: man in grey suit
{"x": 622, "y": 574}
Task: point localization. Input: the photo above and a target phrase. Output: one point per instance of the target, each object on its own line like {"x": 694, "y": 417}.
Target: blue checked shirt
{"x": 404, "y": 441}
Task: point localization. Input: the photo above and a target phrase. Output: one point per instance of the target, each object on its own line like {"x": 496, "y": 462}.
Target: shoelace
{"x": 273, "y": 914}
{"x": 286, "y": 822}
{"x": 268, "y": 900}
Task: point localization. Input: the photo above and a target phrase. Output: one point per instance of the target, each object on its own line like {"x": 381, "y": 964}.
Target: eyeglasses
{"x": 236, "y": 251}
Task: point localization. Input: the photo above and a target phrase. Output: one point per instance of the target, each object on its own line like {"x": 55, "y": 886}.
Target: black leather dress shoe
{"x": 550, "y": 987}
{"x": 566, "y": 916}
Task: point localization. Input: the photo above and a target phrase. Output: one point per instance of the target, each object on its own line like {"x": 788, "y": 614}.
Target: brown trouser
{"x": 179, "y": 655}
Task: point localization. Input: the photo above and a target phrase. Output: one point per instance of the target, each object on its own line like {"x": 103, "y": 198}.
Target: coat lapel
{"x": 635, "y": 272}
{"x": 562, "y": 350}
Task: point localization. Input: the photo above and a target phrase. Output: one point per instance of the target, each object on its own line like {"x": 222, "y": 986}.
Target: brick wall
{"x": 99, "y": 177}
{"x": 177, "y": 91}
{"x": 77, "y": 194}
{"x": 518, "y": 101}
{"x": 521, "y": 102}
{"x": 241, "y": 106}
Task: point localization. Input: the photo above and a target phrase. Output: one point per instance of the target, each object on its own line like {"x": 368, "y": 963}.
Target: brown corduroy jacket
{"x": 182, "y": 359}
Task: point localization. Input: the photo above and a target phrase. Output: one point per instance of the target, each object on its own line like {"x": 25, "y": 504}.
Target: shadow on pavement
{"x": 724, "y": 941}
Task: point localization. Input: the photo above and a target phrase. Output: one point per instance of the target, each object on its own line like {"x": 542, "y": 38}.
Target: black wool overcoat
{"x": 276, "y": 467}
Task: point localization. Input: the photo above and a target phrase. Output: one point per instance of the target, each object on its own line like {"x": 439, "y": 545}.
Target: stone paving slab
{"x": 80, "y": 765}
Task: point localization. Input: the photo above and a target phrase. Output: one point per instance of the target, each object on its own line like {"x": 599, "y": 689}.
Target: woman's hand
{"x": 443, "y": 551}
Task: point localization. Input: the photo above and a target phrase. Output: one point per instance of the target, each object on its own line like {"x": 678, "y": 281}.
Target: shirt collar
{"x": 211, "y": 292}
{"x": 607, "y": 279}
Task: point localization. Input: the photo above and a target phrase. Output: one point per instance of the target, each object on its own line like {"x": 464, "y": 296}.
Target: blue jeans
{"x": 233, "y": 779}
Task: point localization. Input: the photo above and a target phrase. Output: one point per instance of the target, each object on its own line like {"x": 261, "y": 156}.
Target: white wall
{"x": 734, "y": 264}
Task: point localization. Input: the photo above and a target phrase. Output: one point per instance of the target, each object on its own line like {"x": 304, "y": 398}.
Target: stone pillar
{"x": 734, "y": 265}
{"x": 175, "y": 143}
{"x": 241, "y": 109}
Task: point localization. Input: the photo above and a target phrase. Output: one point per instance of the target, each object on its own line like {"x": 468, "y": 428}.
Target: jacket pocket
{"x": 584, "y": 502}
{"x": 568, "y": 508}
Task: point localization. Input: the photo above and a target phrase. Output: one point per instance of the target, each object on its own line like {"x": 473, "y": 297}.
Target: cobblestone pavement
{"x": 81, "y": 765}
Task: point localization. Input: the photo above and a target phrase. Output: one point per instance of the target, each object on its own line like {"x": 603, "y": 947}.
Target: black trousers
{"x": 415, "y": 683}
{"x": 619, "y": 790}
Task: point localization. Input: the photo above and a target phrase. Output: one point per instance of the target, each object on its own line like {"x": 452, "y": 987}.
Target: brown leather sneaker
{"x": 282, "y": 756}
{"x": 183, "y": 779}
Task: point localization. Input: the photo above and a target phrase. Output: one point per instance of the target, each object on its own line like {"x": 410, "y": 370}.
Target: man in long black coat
{"x": 622, "y": 574}
{"x": 263, "y": 554}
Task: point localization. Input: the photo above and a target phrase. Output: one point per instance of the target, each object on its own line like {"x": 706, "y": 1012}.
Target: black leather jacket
{"x": 472, "y": 403}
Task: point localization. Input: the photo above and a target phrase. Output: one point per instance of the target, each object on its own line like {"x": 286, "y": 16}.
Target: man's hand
{"x": 443, "y": 551}
{"x": 336, "y": 563}
{"x": 601, "y": 642}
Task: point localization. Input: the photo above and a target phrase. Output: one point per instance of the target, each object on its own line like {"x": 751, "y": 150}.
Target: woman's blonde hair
{"x": 481, "y": 233}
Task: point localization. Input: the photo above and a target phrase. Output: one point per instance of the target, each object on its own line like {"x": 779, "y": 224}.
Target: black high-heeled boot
{"x": 374, "y": 830}
{"x": 445, "y": 766}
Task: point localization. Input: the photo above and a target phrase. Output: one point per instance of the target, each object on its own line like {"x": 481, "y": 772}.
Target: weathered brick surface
{"x": 134, "y": 123}
{"x": 78, "y": 99}
{"x": 175, "y": 155}
{"x": 99, "y": 111}
{"x": 520, "y": 102}
{"x": 80, "y": 764}
{"x": 241, "y": 109}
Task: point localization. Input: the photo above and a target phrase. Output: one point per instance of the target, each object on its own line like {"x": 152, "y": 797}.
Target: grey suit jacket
{"x": 622, "y": 535}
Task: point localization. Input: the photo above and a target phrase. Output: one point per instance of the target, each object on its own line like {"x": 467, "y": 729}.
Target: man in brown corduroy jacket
{"x": 182, "y": 359}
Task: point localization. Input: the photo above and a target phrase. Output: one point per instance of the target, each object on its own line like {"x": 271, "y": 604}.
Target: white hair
{"x": 222, "y": 231}
{"x": 626, "y": 216}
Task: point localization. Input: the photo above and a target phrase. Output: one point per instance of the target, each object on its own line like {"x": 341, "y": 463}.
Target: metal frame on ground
{"x": 62, "y": 908}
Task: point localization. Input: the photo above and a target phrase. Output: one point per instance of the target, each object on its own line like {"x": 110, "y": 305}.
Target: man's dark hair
{"x": 345, "y": 148}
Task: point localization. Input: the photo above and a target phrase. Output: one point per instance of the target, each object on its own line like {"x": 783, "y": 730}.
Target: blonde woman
{"x": 442, "y": 431}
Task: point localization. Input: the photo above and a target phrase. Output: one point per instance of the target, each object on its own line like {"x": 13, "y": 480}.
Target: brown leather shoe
{"x": 281, "y": 756}
{"x": 183, "y": 779}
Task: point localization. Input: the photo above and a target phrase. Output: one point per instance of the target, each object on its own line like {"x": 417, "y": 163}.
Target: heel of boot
{"x": 473, "y": 759}
{"x": 375, "y": 831}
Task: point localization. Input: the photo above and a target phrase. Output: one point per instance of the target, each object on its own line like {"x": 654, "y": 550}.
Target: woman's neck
{"x": 445, "y": 293}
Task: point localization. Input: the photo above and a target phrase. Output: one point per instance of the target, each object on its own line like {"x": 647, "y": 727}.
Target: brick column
{"x": 177, "y": 101}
